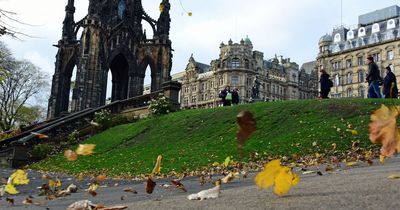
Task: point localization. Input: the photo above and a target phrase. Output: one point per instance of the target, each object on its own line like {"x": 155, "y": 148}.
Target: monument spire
{"x": 68, "y": 24}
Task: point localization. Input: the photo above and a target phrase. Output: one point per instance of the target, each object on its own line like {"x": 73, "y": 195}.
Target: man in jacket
{"x": 390, "y": 84}
{"x": 373, "y": 79}
{"x": 325, "y": 84}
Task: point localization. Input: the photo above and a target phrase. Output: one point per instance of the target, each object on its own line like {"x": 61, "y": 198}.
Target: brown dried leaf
{"x": 179, "y": 185}
{"x": 130, "y": 190}
{"x": 150, "y": 185}
{"x": 383, "y": 129}
{"x": 202, "y": 180}
{"x": 247, "y": 125}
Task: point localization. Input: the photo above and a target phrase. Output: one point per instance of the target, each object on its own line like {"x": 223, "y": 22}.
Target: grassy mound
{"x": 195, "y": 138}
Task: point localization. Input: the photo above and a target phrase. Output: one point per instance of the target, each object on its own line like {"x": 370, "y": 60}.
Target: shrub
{"x": 103, "y": 118}
{"x": 41, "y": 151}
{"x": 161, "y": 105}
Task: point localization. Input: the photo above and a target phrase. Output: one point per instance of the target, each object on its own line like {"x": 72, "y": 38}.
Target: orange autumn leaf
{"x": 100, "y": 178}
{"x": 150, "y": 185}
{"x": 247, "y": 125}
{"x": 383, "y": 129}
{"x": 157, "y": 167}
{"x": 70, "y": 155}
{"x": 85, "y": 149}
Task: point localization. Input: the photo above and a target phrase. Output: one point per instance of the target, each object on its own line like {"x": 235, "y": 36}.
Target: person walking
{"x": 226, "y": 96}
{"x": 326, "y": 83}
{"x": 390, "y": 84}
{"x": 373, "y": 79}
{"x": 235, "y": 96}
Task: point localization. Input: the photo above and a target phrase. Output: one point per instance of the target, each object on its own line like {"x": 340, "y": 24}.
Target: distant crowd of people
{"x": 373, "y": 79}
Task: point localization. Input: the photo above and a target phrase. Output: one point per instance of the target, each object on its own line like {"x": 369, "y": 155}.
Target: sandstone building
{"x": 343, "y": 53}
{"x": 237, "y": 66}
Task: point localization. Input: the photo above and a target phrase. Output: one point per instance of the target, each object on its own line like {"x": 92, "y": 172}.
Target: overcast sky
{"x": 290, "y": 28}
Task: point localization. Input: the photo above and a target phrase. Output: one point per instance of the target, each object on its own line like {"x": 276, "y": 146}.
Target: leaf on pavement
{"x": 150, "y": 185}
{"x": 394, "y": 176}
{"x": 206, "y": 194}
{"x": 179, "y": 185}
{"x": 130, "y": 190}
{"x": 383, "y": 129}
{"x": 100, "y": 178}
{"x": 19, "y": 177}
{"x": 10, "y": 189}
{"x": 279, "y": 176}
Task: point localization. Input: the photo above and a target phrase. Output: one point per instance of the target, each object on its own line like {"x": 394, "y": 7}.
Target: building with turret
{"x": 238, "y": 66}
{"x": 343, "y": 52}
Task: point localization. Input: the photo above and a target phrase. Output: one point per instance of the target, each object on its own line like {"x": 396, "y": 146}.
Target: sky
{"x": 290, "y": 28}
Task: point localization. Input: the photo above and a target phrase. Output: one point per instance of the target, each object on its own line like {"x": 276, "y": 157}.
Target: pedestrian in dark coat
{"x": 390, "y": 84}
{"x": 235, "y": 96}
{"x": 326, "y": 84}
{"x": 373, "y": 79}
{"x": 226, "y": 96}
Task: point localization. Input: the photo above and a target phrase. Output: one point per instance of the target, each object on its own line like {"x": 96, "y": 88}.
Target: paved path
{"x": 355, "y": 188}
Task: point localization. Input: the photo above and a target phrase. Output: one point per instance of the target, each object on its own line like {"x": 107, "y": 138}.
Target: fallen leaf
{"x": 10, "y": 189}
{"x": 92, "y": 189}
{"x": 150, "y": 185}
{"x": 247, "y": 125}
{"x": 179, "y": 185}
{"x": 227, "y": 161}
{"x": 70, "y": 155}
{"x": 82, "y": 205}
{"x": 206, "y": 194}
{"x": 334, "y": 146}
{"x": 352, "y": 163}
{"x": 394, "y": 176}
{"x": 85, "y": 149}
{"x": 19, "y": 177}
{"x": 157, "y": 167}
{"x": 383, "y": 129}
{"x": 39, "y": 135}
{"x": 202, "y": 180}
{"x": 100, "y": 178}
{"x": 58, "y": 182}
{"x": 280, "y": 176}
{"x": 130, "y": 190}
{"x": 228, "y": 178}
{"x": 382, "y": 159}
{"x": 308, "y": 172}
{"x": 352, "y": 131}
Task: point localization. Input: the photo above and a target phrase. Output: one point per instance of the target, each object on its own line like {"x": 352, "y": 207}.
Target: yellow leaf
{"x": 266, "y": 178}
{"x": 70, "y": 155}
{"x": 10, "y": 189}
{"x": 215, "y": 164}
{"x": 161, "y": 7}
{"x": 295, "y": 179}
{"x": 157, "y": 167}
{"x": 85, "y": 149}
{"x": 394, "y": 176}
{"x": 190, "y": 14}
{"x": 58, "y": 182}
{"x": 283, "y": 181}
{"x": 382, "y": 159}
{"x": 19, "y": 177}
{"x": 352, "y": 163}
{"x": 94, "y": 187}
{"x": 79, "y": 178}
{"x": 352, "y": 131}
{"x": 227, "y": 161}
{"x": 52, "y": 183}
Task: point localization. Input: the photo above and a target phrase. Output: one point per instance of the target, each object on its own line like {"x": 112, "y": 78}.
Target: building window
{"x": 348, "y": 63}
{"x": 273, "y": 89}
{"x": 247, "y": 64}
{"x": 337, "y": 80}
{"x": 249, "y": 81}
{"x": 390, "y": 55}
{"x": 361, "y": 92}
{"x": 220, "y": 81}
{"x": 234, "y": 80}
{"x": 337, "y": 65}
{"x": 376, "y": 56}
{"x": 193, "y": 99}
{"x": 349, "y": 92}
{"x": 361, "y": 76}
{"x": 360, "y": 61}
{"x": 235, "y": 63}
{"x": 349, "y": 78}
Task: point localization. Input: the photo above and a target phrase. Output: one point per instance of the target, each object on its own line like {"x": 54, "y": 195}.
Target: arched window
{"x": 246, "y": 64}
{"x": 349, "y": 78}
{"x": 361, "y": 92}
{"x": 349, "y": 92}
{"x": 361, "y": 76}
{"x": 337, "y": 80}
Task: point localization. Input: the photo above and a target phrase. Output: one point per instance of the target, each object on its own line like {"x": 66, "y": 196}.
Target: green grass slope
{"x": 195, "y": 138}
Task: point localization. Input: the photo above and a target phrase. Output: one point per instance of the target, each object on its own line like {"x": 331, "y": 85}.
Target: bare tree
{"x": 7, "y": 25}
{"x": 22, "y": 81}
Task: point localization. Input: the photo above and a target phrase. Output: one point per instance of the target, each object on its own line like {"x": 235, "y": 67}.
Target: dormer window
{"x": 391, "y": 24}
{"x": 337, "y": 38}
{"x": 375, "y": 28}
{"x": 361, "y": 32}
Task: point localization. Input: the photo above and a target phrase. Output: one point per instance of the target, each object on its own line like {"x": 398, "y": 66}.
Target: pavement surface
{"x": 356, "y": 187}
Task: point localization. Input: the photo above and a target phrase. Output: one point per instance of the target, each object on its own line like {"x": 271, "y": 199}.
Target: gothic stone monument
{"x": 113, "y": 40}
